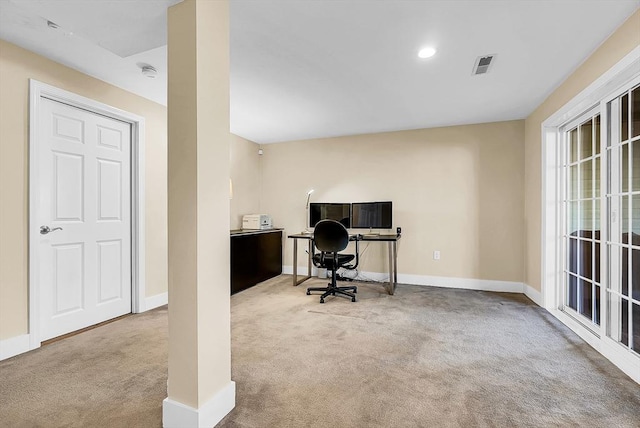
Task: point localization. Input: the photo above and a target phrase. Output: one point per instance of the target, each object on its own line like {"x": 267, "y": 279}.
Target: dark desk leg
{"x": 394, "y": 244}
{"x": 393, "y": 267}
{"x": 309, "y": 255}
{"x": 295, "y": 263}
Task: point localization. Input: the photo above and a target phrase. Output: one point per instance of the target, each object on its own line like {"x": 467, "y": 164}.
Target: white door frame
{"x": 551, "y": 249}
{"x": 38, "y": 90}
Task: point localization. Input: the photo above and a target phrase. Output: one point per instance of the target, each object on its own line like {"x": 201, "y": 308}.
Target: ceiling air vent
{"x": 483, "y": 64}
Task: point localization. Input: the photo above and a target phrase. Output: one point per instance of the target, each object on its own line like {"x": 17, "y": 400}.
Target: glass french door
{"x": 601, "y": 219}
{"x": 582, "y": 219}
{"x": 623, "y": 220}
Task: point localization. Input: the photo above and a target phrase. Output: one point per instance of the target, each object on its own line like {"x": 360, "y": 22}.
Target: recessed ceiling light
{"x": 427, "y": 52}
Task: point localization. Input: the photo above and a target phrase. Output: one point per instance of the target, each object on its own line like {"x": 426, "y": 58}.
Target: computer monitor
{"x": 372, "y": 215}
{"x": 332, "y": 211}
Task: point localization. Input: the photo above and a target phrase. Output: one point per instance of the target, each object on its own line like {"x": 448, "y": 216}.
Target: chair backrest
{"x": 330, "y": 236}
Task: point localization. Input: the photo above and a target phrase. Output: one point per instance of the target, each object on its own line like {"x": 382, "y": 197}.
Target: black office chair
{"x": 330, "y": 237}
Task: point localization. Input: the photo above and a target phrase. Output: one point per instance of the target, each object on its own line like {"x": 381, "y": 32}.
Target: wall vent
{"x": 483, "y": 64}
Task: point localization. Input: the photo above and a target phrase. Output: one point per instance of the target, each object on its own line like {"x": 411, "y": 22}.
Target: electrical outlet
{"x": 436, "y": 255}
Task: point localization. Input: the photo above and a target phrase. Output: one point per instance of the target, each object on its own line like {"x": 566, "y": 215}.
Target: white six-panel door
{"x": 84, "y": 188}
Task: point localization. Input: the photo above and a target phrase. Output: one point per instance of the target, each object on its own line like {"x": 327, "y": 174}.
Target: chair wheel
{"x": 321, "y": 300}
{"x": 353, "y": 299}
{"x": 308, "y": 293}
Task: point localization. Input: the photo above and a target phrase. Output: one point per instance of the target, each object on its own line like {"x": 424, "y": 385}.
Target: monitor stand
{"x": 372, "y": 233}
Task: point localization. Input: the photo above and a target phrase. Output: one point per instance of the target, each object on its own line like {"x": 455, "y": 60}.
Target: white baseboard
{"x": 14, "y": 346}
{"x": 155, "y": 301}
{"x": 533, "y": 294}
{"x": 178, "y": 415}
{"x": 434, "y": 281}
{"x": 464, "y": 283}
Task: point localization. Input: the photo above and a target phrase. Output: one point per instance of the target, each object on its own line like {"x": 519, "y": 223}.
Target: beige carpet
{"x": 426, "y": 357}
{"x": 111, "y": 376}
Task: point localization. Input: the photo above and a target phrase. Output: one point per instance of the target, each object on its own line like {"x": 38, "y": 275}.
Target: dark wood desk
{"x": 256, "y": 255}
{"x": 392, "y": 241}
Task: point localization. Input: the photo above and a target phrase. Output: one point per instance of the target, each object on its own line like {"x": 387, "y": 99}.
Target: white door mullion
{"x": 630, "y": 219}
{"x": 615, "y": 221}
{"x": 579, "y": 221}
{"x": 603, "y": 220}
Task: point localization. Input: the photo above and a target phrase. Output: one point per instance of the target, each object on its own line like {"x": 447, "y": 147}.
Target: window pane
{"x": 574, "y": 256}
{"x": 573, "y": 182}
{"x": 587, "y": 218}
{"x": 573, "y": 145}
{"x": 635, "y": 271}
{"x": 635, "y": 215}
{"x": 624, "y": 118}
{"x": 624, "y": 218}
{"x": 585, "y": 252}
{"x": 635, "y": 167}
{"x": 586, "y": 142}
{"x": 635, "y": 112}
{"x": 624, "y": 269}
{"x": 624, "y": 321}
{"x": 585, "y": 296}
{"x": 596, "y": 264}
{"x": 586, "y": 179}
{"x": 624, "y": 170}
{"x": 596, "y": 182}
{"x": 571, "y": 297}
{"x": 636, "y": 328}
{"x": 596, "y": 317}
{"x": 596, "y": 135}
{"x": 573, "y": 218}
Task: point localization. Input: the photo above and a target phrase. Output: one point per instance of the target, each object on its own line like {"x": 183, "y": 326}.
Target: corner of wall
{"x": 14, "y": 346}
{"x": 533, "y": 294}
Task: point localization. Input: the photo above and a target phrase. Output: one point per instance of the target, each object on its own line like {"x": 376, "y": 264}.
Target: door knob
{"x": 45, "y": 229}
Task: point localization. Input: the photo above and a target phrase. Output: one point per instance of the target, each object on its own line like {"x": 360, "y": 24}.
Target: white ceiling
{"x": 312, "y": 68}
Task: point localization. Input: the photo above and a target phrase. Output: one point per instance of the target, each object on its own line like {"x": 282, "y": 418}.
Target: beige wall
{"x": 245, "y": 174}
{"x": 457, "y": 190}
{"x": 449, "y": 193}
{"x": 16, "y": 67}
{"x": 619, "y": 44}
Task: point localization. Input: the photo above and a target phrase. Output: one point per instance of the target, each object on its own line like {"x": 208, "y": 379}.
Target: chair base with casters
{"x": 332, "y": 288}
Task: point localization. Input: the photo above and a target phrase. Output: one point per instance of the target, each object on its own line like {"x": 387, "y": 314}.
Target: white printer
{"x": 256, "y": 222}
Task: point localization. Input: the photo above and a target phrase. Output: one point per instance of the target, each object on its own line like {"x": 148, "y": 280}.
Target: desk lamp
{"x": 306, "y": 220}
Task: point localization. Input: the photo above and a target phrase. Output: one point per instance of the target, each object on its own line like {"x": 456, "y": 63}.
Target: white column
{"x": 200, "y": 390}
